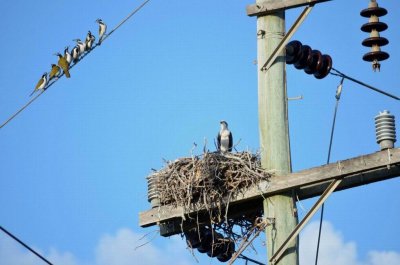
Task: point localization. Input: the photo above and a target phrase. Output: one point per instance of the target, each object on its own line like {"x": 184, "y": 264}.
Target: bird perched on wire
{"x": 81, "y": 45}
{"x": 102, "y": 30}
{"x": 67, "y": 55}
{"x": 54, "y": 72}
{"x": 75, "y": 54}
{"x": 41, "y": 84}
{"x": 224, "y": 138}
{"x": 89, "y": 41}
{"x": 62, "y": 62}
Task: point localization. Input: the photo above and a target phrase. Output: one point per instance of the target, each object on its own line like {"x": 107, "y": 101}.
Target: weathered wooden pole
{"x": 274, "y": 133}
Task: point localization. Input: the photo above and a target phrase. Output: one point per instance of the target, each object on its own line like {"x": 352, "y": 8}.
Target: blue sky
{"x": 73, "y": 165}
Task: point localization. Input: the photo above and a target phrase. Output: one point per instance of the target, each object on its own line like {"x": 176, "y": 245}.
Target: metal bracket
{"x": 278, "y": 254}
{"x": 286, "y": 38}
{"x": 271, "y": 6}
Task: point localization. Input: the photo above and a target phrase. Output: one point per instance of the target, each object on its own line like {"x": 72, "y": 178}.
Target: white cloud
{"x": 334, "y": 250}
{"x": 119, "y": 249}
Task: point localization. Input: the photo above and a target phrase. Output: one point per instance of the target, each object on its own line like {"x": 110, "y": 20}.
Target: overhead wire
{"x": 25, "y": 245}
{"x": 337, "y": 96}
{"x": 72, "y": 65}
{"x": 340, "y": 74}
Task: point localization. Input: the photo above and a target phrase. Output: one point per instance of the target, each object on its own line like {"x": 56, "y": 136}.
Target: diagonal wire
{"x": 337, "y": 96}
{"x": 25, "y": 245}
{"x": 72, "y": 65}
{"x": 340, "y": 74}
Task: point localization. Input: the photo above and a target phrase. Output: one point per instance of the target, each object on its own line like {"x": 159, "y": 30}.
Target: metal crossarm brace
{"x": 278, "y": 254}
{"x": 286, "y": 38}
{"x": 272, "y": 6}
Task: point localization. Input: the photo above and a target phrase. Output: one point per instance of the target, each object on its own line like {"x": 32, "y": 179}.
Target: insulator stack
{"x": 208, "y": 241}
{"x": 385, "y": 130}
{"x": 311, "y": 61}
{"x": 153, "y": 194}
{"x": 375, "y": 41}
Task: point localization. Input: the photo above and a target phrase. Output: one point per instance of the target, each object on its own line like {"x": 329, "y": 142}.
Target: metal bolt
{"x": 385, "y": 130}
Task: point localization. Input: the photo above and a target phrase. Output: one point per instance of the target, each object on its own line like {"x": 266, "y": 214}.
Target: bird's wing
{"x": 39, "y": 83}
{"x": 230, "y": 141}
{"x": 219, "y": 141}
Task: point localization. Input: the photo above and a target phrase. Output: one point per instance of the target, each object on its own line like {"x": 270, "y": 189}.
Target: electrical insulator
{"x": 153, "y": 194}
{"x": 385, "y": 130}
{"x": 227, "y": 252}
{"x": 192, "y": 238}
{"x": 311, "y": 61}
{"x": 208, "y": 241}
{"x": 375, "y": 41}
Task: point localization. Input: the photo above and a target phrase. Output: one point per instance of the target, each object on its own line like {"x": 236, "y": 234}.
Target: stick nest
{"x": 208, "y": 180}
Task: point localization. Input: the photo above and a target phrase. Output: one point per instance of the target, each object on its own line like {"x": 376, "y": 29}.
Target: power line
{"x": 337, "y": 96}
{"x": 25, "y": 245}
{"x": 83, "y": 56}
{"x": 338, "y": 73}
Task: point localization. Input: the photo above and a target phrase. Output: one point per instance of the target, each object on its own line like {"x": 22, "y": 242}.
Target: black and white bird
{"x": 89, "y": 41}
{"x": 102, "y": 29}
{"x": 224, "y": 138}
{"x": 75, "y": 54}
{"x": 67, "y": 55}
{"x": 81, "y": 45}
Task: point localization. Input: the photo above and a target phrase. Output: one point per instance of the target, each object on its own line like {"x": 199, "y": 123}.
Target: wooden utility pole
{"x": 277, "y": 193}
{"x": 274, "y": 134}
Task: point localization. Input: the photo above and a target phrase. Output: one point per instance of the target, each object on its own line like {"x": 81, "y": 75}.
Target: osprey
{"x": 41, "y": 84}
{"x": 224, "y": 138}
{"x": 102, "y": 30}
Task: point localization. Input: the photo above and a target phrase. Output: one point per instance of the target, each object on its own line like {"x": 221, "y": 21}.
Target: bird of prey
{"x": 41, "y": 84}
{"x": 54, "y": 72}
{"x": 224, "y": 138}
{"x": 62, "y": 62}
{"x": 89, "y": 41}
{"x": 102, "y": 29}
{"x": 67, "y": 55}
{"x": 81, "y": 45}
{"x": 75, "y": 54}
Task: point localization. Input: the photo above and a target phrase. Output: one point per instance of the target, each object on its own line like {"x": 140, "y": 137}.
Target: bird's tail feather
{"x": 32, "y": 92}
{"x": 67, "y": 74}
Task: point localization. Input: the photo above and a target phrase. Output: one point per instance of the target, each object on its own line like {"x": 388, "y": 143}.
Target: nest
{"x": 210, "y": 181}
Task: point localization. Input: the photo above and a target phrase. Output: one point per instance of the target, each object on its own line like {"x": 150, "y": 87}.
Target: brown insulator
{"x": 373, "y": 9}
{"x": 378, "y": 26}
{"x": 315, "y": 63}
{"x": 293, "y": 51}
{"x": 325, "y": 68}
{"x": 305, "y": 58}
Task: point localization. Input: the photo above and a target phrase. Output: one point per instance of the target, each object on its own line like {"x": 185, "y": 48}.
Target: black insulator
{"x": 305, "y": 58}
{"x": 293, "y": 51}
{"x": 315, "y": 63}
{"x": 216, "y": 245}
{"x": 375, "y": 55}
{"x": 192, "y": 238}
{"x": 206, "y": 240}
{"x": 371, "y": 41}
{"x": 378, "y": 26}
{"x": 373, "y": 11}
{"x": 325, "y": 68}
{"x": 229, "y": 249}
